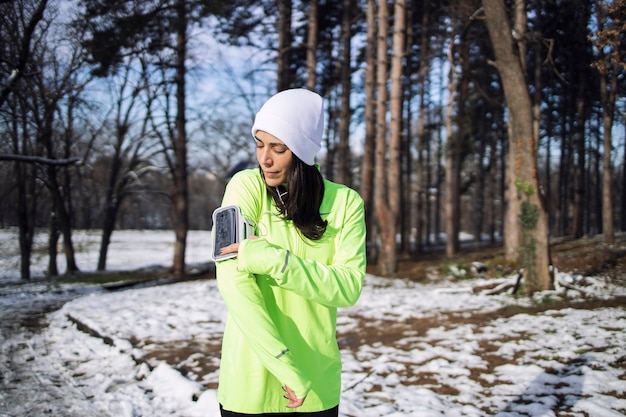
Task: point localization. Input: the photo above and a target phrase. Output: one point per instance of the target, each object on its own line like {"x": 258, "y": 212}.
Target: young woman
{"x": 307, "y": 258}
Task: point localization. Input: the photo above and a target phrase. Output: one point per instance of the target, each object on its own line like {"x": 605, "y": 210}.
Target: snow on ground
{"x": 409, "y": 349}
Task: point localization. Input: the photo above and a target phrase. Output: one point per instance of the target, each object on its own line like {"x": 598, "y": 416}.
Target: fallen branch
{"x": 90, "y": 331}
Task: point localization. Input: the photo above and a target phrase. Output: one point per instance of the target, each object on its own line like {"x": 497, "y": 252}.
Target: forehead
{"x": 268, "y": 138}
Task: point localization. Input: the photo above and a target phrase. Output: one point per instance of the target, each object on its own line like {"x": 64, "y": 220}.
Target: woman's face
{"x": 274, "y": 157}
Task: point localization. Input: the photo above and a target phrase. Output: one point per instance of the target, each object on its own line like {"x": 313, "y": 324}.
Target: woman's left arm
{"x": 338, "y": 284}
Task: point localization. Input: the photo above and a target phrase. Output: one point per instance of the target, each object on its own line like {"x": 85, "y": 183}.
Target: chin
{"x": 273, "y": 182}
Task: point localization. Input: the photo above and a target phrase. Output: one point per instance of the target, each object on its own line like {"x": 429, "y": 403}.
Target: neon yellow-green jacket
{"x": 282, "y": 293}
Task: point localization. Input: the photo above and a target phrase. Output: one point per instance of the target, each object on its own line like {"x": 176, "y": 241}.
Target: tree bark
{"x": 608, "y": 37}
{"x": 422, "y": 139}
{"x": 395, "y": 104}
{"x": 311, "y": 46}
{"x": 608, "y": 104}
{"x": 367, "y": 165}
{"x": 344, "y": 169}
{"x": 534, "y": 248}
{"x": 623, "y": 211}
{"x": 386, "y": 264}
{"x": 451, "y": 206}
{"x": 284, "y": 78}
{"x": 180, "y": 195}
{"x": 26, "y": 201}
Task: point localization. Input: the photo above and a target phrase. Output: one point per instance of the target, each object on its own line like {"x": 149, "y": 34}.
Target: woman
{"x": 279, "y": 352}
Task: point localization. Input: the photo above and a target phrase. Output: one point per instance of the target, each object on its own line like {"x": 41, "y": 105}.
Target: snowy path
{"x": 25, "y": 388}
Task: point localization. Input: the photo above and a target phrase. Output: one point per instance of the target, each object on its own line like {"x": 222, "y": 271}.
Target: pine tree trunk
{"x": 311, "y": 47}
{"x": 607, "y": 94}
{"x": 422, "y": 138}
{"x": 284, "y": 78}
{"x": 534, "y": 248}
{"x": 452, "y": 157}
{"x": 344, "y": 169}
{"x": 386, "y": 264}
{"x": 367, "y": 166}
{"x": 395, "y": 105}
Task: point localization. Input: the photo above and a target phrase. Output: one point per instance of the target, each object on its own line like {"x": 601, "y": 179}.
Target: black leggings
{"x": 333, "y": 412}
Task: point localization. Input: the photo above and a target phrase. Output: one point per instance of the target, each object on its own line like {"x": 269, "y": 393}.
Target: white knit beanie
{"x": 296, "y": 117}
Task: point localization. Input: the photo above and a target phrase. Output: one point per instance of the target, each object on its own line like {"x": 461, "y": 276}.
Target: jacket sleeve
{"x": 338, "y": 284}
{"x": 246, "y": 306}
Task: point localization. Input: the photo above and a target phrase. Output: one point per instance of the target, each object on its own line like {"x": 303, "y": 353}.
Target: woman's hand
{"x": 234, "y": 247}
{"x": 294, "y": 401}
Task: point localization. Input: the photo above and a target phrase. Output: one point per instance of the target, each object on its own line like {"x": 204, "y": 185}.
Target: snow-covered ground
{"x": 409, "y": 349}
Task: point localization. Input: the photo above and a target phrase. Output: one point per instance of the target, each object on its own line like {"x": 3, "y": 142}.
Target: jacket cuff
{"x": 258, "y": 256}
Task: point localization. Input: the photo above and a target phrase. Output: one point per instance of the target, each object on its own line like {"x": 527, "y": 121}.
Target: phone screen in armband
{"x": 229, "y": 227}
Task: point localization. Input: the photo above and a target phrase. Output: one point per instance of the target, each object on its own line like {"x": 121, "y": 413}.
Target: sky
{"x": 563, "y": 361}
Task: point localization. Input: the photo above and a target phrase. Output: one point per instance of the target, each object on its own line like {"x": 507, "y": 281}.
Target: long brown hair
{"x": 301, "y": 199}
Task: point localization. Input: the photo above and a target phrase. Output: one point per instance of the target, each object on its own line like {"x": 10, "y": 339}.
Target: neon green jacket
{"x": 282, "y": 293}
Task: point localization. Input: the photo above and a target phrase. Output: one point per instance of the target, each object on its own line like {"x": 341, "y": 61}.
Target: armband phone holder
{"x": 229, "y": 227}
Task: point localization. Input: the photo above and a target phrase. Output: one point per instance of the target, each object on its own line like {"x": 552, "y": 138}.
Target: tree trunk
{"x": 344, "y": 169}
{"x": 422, "y": 168}
{"x": 61, "y": 212}
{"x": 367, "y": 166}
{"x": 180, "y": 193}
{"x": 284, "y": 77}
{"x": 64, "y": 222}
{"x": 534, "y": 249}
{"x": 395, "y": 101}
{"x": 452, "y": 156}
{"x": 608, "y": 66}
{"x": 579, "y": 166}
{"x": 111, "y": 204}
{"x": 491, "y": 190}
{"x": 311, "y": 47}
{"x": 608, "y": 100}
{"x": 511, "y": 218}
{"x": 386, "y": 222}
{"x": 26, "y": 203}
{"x": 53, "y": 242}
{"x": 623, "y": 211}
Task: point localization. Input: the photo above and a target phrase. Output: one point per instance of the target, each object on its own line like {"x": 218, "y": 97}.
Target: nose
{"x": 264, "y": 156}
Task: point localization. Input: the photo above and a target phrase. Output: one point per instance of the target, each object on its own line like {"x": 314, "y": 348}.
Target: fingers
{"x": 293, "y": 400}
{"x": 234, "y": 247}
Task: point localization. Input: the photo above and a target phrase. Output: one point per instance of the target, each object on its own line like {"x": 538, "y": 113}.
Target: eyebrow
{"x": 271, "y": 143}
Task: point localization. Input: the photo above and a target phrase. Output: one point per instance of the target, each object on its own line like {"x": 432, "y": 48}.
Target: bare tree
{"x": 20, "y": 28}
{"x": 131, "y": 156}
{"x": 387, "y": 177}
{"x": 344, "y": 174}
{"x": 422, "y": 137}
{"x": 25, "y": 30}
{"x": 386, "y": 263}
{"x": 395, "y": 106}
{"x": 453, "y": 150}
{"x": 532, "y": 222}
{"x": 367, "y": 165}
{"x": 610, "y": 31}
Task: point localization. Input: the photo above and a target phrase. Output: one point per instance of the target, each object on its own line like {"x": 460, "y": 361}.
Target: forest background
{"x": 504, "y": 120}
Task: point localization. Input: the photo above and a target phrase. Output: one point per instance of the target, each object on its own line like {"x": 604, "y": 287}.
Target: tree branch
{"x": 39, "y": 160}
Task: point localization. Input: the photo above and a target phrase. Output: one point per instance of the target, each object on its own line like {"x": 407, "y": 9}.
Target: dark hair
{"x": 300, "y": 201}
